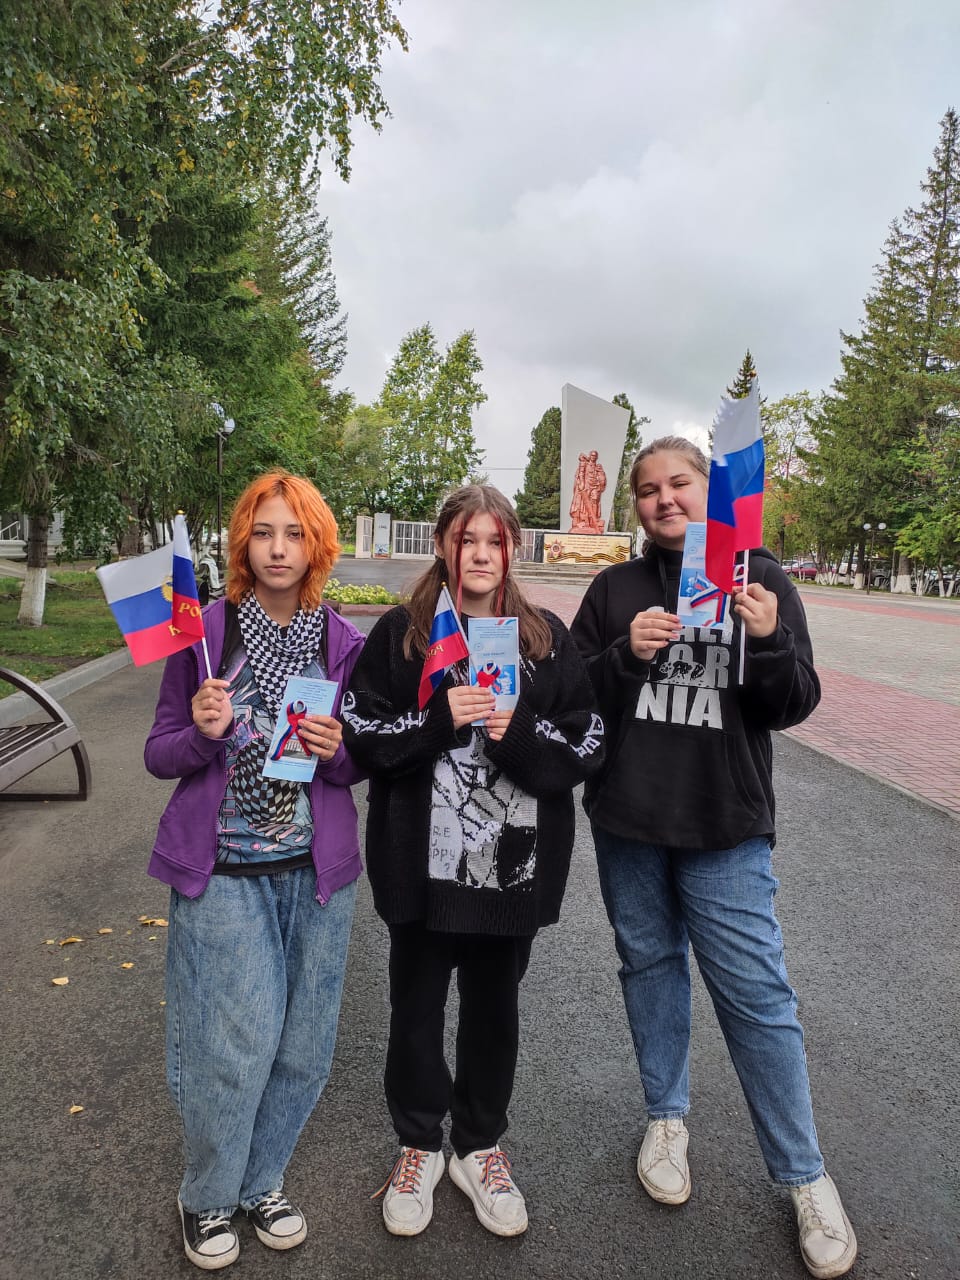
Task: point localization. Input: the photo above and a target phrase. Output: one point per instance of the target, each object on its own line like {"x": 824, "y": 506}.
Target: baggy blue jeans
{"x": 255, "y": 971}
{"x": 660, "y": 902}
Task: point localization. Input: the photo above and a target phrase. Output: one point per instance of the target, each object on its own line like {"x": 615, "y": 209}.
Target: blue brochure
{"x": 287, "y": 757}
{"x": 700, "y": 603}
{"x": 495, "y": 658}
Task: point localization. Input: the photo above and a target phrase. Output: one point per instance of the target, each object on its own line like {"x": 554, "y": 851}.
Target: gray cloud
{"x": 628, "y": 195}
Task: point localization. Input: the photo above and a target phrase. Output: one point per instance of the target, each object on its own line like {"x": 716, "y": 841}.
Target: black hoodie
{"x": 688, "y": 747}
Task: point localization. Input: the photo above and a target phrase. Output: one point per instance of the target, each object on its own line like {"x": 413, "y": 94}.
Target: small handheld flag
{"x": 154, "y": 599}
{"x": 735, "y": 495}
{"x": 447, "y": 646}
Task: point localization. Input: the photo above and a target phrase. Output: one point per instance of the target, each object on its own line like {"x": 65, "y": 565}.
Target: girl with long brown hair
{"x": 469, "y": 836}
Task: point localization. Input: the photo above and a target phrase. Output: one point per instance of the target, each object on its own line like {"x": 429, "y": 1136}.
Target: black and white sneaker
{"x": 278, "y": 1223}
{"x": 209, "y": 1239}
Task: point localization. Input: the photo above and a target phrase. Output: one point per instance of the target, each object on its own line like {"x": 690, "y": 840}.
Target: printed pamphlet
{"x": 287, "y": 757}
{"x": 700, "y": 603}
{"x": 495, "y": 658}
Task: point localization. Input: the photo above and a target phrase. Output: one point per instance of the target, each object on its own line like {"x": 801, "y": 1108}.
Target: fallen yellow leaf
{"x": 127, "y": 964}
{"x": 75, "y": 1111}
{"x": 59, "y": 982}
{"x": 103, "y": 931}
{"x": 154, "y": 922}
{"x": 48, "y": 942}
{"x": 66, "y": 941}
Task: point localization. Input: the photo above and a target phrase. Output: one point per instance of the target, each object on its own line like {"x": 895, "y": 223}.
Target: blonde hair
{"x": 318, "y": 529}
{"x": 668, "y": 444}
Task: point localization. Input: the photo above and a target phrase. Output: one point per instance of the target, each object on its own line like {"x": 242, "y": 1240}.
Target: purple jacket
{"x": 186, "y": 844}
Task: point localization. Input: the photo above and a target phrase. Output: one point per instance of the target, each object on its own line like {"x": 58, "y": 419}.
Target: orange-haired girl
{"x": 262, "y": 891}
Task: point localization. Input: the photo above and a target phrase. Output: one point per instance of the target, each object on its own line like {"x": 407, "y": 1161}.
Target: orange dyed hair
{"x": 317, "y": 525}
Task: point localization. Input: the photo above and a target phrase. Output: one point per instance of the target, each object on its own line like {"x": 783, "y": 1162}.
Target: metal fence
{"x": 415, "y": 538}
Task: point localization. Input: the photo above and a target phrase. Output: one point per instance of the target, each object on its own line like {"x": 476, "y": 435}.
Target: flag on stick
{"x": 735, "y": 496}
{"x": 447, "y": 646}
{"x": 154, "y": 599}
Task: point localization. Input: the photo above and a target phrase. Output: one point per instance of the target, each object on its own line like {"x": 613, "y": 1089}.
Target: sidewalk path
{"x": 890, "y": 671}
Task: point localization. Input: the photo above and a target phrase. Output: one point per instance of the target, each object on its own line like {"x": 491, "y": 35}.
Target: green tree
{"x": 786, "y": 439}
{"x": 429, "y": 400}
{"x": 744, "y": 379}
{"x": 897, "y": 385}
{"x": 538, "y": 502}
{"x": 105, "y": 108}
{"x": 624, "y": 513}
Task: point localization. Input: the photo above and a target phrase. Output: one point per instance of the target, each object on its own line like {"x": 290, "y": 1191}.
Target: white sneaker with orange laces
{"x": 408, "y": 1192}
{"x": 485, "y": 1177}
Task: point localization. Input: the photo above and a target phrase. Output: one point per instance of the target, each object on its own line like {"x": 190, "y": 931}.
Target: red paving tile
{"x": 898, "y": 737}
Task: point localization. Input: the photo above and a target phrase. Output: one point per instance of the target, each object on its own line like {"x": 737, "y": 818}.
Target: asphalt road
{"x": 869, "y": 904}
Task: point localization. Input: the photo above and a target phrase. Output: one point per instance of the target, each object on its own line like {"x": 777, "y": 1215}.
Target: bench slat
{"x": 24, "y": 748}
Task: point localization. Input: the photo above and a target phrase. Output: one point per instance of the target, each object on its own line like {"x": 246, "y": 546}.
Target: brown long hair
{"x": 536, "y": 639}
{"x": 317, "y": 525}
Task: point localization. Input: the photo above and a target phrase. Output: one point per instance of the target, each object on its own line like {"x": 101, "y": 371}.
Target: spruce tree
{"x": 623, "y": 513}
{"x": 538, "y": 502}
{"x": 896, "y": 394}
{"x": 744, "y": 379}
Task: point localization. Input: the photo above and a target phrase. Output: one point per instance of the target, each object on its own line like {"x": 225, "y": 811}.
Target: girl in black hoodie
{"x": 683, "y": 822}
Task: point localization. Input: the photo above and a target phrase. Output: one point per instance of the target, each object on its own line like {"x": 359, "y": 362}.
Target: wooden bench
{"x": 25, "y": 747}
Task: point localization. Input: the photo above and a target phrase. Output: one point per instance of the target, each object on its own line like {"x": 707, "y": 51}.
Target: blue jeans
{"x": 255, "y": 971}
{"x": 660, "y": 901}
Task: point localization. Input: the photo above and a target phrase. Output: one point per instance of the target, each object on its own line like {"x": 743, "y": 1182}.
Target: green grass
{"x": 77, "y": 626}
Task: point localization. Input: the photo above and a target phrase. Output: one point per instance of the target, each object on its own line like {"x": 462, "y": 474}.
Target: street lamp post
{"x": 225, "y": 429}
{"x": 868, "y": 528}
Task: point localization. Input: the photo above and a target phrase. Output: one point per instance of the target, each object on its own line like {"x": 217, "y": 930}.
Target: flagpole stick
{"x": 206, "y": 656}
{"x": 743, "y": 629}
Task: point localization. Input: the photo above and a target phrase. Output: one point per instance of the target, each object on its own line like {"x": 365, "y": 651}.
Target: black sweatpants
{"x": 417, "y": 1080}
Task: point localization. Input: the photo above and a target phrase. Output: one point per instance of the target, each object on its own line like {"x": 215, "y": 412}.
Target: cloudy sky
{"x": 628, "y": 194}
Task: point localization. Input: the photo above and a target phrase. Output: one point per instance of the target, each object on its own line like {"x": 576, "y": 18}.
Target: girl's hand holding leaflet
{"x": 468, "y": 702}
{"x": 321, "y": 735}
{"x": 211, "y": 709}
{"x": 757, "y": 608}
{"x": 497, "y": 724}
{"x": 651, "y": 631}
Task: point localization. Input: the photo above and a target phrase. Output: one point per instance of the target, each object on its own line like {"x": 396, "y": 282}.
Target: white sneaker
{"x": 485, "y": 1177}
{"x": 662, "y": 1163}
{"x": 827, "y": 1242}
{"x": 408, "y": 1192}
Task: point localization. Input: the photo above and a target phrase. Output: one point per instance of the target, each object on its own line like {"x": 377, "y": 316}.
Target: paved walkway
{"x": 890, "y": 671}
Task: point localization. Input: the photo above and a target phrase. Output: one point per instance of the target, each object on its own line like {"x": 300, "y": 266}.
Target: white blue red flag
{"x": 735, "y": 497}
{"x": 154, "y": 599}
{"x": 447, "y": 646}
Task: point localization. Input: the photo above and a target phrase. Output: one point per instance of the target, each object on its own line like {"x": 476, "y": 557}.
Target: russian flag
{"x": 735, "y": 496}
{"x": 447, "y": 646}
{"x": 154, "y": 599}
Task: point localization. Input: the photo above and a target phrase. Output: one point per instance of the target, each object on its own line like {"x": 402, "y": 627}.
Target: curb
{"x": 61, "y": 686}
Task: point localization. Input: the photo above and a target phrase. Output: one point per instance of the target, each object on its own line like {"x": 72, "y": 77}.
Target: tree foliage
{"x": 427, "y": 402}
{"x": 744, "y": 379}
{"x": 538, "y": 502}
{"x": 115, "y": 114}
{"x": 623, "y": 512}
{"x": 882, "y": 434}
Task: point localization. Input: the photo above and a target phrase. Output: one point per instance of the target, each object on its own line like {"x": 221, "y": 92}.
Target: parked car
{"x": 805, "y": 570}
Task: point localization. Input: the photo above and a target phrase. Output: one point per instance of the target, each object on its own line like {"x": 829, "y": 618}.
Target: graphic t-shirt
{"x": 265, "y": 824}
